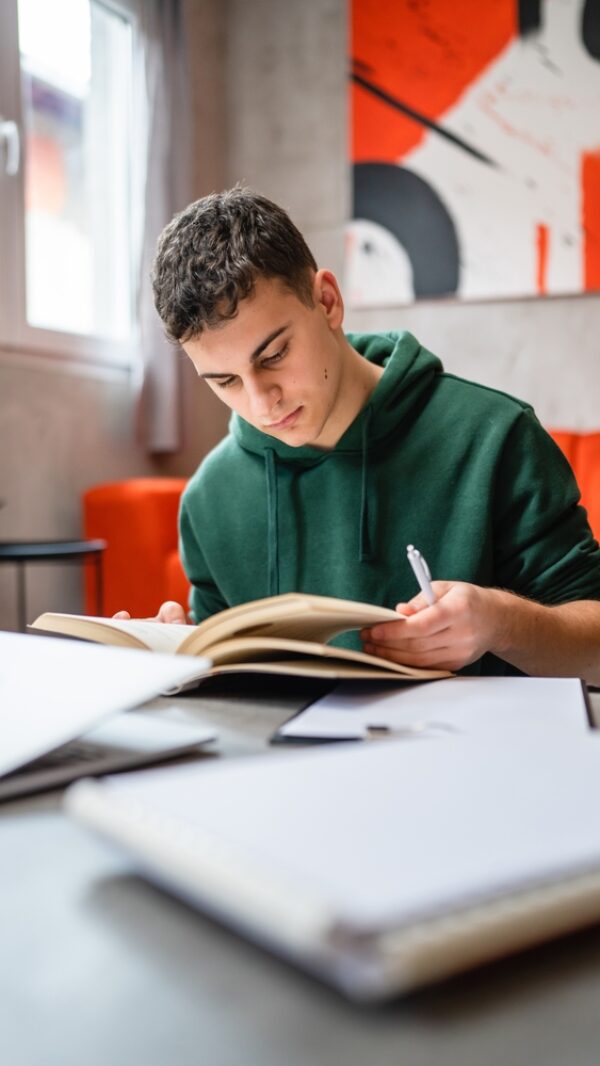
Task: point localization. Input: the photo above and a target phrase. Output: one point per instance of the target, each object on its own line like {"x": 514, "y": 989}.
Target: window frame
{"x": 16, "y": 333}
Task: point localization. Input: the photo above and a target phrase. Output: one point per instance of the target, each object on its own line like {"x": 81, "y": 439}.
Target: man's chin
{"x": 298, "y": 439}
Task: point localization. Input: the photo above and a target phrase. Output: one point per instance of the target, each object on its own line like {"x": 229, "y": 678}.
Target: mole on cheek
{"x": 325, "y": 375}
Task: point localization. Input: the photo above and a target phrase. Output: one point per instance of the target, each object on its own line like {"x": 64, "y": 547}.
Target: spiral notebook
{"x": 377, "y": 867}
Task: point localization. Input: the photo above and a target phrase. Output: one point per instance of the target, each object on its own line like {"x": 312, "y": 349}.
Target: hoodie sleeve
{"x": 543, "y": 545}
{"x": 205, "y": 597}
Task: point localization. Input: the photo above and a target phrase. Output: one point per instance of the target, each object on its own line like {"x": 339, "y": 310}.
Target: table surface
{"x": 28, "y": 550}
{"x": 98, "y": 967}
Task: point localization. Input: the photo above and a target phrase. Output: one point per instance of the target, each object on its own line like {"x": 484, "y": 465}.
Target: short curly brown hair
{"x": 211, "y": 254}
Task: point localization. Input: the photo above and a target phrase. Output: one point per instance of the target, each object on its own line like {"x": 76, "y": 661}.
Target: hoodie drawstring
{"x": 272, "y": 524}
{"x": 367, "y": 508}
{"x": 367, "y": 502}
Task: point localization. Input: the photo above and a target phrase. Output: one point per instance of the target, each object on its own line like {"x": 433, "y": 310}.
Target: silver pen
{"x": 421, "y": 572}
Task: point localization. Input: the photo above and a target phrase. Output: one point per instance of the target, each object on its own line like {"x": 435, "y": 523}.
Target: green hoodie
{"x": 464, "y": 472}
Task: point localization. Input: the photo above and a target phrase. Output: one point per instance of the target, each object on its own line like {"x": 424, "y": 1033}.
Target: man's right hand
{"x": 167, "y": 612}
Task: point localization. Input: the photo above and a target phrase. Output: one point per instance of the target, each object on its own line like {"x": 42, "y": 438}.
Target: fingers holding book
{"x": 170, "y": 612}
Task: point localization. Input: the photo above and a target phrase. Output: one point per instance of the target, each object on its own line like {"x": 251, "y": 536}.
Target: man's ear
{"x": 327, "y": 296}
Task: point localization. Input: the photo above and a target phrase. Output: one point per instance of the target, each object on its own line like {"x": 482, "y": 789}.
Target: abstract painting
{"x": 475, "y": 149}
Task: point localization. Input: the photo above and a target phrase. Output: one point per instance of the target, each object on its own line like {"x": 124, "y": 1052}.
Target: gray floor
{"x": 98, "y": 968}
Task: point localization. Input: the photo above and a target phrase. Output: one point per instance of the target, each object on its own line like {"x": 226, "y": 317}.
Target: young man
{"x": 344, "y": 449}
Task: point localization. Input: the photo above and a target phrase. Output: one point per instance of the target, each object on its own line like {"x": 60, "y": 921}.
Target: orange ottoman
{"x": 583, "y": 452}
{"x": 138, "y": 519}
{"x": 587, "y": 471}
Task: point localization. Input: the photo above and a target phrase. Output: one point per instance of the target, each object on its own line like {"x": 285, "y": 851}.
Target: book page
{"x": 157, "y": 636}
{"x": 292, "y": 616}
{"x": 133, "y": 633}
{"x": 263, "y": 651}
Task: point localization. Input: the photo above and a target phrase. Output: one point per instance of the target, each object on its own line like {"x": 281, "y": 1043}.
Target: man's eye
{"x": 225, "y": 384}
{"x": 276, "y": 357}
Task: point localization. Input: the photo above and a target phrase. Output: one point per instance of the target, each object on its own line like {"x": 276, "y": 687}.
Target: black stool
{"x": 50, "y": 551}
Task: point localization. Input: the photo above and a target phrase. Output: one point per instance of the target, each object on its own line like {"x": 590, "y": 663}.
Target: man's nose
{"x": 263, "y": 396}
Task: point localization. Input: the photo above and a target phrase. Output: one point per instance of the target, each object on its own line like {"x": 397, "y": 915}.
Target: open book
{"x": 279, "y": 635}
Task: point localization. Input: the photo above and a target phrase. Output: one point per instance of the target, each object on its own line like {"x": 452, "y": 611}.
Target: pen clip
{"x": 411, "y": 729}
{"x": 421, "y": 571}
{"x": 418, "y": 560}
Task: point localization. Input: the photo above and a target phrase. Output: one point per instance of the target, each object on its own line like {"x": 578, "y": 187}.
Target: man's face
{"x": 279, "y": 363}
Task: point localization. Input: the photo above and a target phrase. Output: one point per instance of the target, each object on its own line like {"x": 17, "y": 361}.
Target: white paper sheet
{"x": 53, "y": 690}
{"x": 473, "y": 706}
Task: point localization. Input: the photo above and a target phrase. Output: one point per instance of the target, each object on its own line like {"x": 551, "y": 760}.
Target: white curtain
{"x": 162, "y": 158}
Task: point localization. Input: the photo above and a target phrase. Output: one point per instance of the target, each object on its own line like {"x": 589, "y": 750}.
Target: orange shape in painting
{"x": 590, "y": 219}
{"x": 424, "y": 53}
{"x": 542, "y": 246}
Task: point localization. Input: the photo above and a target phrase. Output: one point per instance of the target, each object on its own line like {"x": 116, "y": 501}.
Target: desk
{"x": 50, "y": 551}
{"x": 100, "y": 967}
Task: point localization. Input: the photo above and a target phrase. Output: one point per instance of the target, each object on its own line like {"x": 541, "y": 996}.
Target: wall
{"x": 64, "y": 428}
{"x": 287, "y": 128}
{"x": 287, "y": 93}
{"x": 544, "y": 351}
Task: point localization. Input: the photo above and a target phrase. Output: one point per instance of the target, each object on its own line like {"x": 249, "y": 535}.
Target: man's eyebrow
{"x": 257, "y": 351}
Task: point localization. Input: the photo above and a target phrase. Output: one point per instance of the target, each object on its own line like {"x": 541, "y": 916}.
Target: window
{"x": 66, "y": 170}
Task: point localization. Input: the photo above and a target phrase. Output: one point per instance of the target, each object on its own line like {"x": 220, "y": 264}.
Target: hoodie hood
{"x": 409, "y": 373}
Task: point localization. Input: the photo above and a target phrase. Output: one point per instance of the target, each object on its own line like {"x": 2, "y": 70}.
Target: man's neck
{"x": 359, "y": 380}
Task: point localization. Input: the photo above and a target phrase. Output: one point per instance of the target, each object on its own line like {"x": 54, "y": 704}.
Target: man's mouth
{"x": 285, "y": 423}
